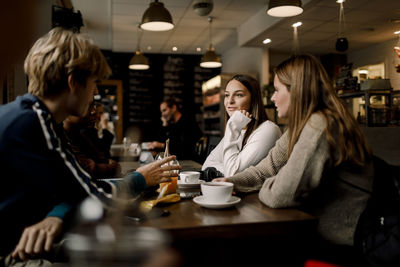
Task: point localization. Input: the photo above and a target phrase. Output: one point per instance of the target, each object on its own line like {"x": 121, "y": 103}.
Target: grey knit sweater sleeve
{"x": 282, "y": 182}
{"x": 252, "y": 178}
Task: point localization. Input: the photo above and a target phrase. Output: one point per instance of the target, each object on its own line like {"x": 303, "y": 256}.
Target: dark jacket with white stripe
{"x": 39, "y": 175}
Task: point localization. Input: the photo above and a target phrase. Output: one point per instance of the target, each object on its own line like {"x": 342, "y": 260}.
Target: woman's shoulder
{"x": 317, "y": 121}
{"x": 268, "y": 126}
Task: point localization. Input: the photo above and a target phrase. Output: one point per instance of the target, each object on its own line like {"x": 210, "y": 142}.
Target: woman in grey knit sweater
{"x": 322, "y": 162}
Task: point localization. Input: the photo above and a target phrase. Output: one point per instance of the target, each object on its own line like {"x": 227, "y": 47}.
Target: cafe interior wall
{"x": 243, "y": 60}
{"x": 17, "y": 83}
{"x": 375, "y": 54}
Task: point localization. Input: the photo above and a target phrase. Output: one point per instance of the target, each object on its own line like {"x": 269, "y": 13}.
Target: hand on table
{"x": 38, "y": 238}
{"x": 154, "y": 173}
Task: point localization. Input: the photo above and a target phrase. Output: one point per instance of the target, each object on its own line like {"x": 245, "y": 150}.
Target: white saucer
{"x": 190, "y": 185}
{"x": 200, "y": 200}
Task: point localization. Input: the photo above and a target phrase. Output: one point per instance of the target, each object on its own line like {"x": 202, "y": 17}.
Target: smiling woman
{"x": 249, "y": 134}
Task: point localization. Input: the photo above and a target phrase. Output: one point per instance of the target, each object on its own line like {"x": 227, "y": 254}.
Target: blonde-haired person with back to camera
{"x": 249, "y": 135}
{"x": 42, "y": 182}
{"x": 322, "y": 162}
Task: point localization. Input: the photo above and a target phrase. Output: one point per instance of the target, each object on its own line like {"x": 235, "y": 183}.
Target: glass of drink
{"x": 172, "y": 185}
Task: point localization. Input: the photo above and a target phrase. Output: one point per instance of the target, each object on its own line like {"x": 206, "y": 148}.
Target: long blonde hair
{"x": 311, "y": 91}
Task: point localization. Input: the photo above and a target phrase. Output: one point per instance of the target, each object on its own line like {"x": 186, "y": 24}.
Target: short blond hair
{"x": 57, "y": 55}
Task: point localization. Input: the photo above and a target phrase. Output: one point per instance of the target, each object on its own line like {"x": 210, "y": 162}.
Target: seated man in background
{"x": 92, "y": 152}
{"x": 105, "y": 129}
{"x": 182, "y": 132}
{"x": 41, "y": 179}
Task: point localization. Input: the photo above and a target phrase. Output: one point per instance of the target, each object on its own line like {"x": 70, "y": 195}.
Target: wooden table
{"x": 249, "y": 234}
{"x": 250, "y": 217}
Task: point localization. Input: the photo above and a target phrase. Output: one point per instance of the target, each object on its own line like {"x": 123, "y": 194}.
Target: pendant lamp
{"x": 296, "y": 45}
{"x": 139, "y": 61}
{"x": 284, "y": 8}
{"x": 210, "y": 59}
{"x": 341, "y": 43}
{"x": 156, "y": 18}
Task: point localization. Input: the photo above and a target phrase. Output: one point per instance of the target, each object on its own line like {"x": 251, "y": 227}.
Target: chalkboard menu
{"x": 178, "y": 76}
{"x": 139, "y": 98}
{"x": 174, "y": 78}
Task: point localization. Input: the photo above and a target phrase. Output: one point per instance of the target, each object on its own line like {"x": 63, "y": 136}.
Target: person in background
{"x": 105, "y": 128}
{"x": 182, "y": 132}
{"x": 249, "y": 135}
{"x": 92, "y": 152}
{"x": 321, "y": 164}
{"x": 41, "y": 179}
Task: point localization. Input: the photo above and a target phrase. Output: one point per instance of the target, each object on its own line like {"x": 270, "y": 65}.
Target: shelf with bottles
{"x": 370, "y": 107}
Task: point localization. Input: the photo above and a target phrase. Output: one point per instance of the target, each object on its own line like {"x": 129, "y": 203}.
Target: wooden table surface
{"x": 249, "y": 218}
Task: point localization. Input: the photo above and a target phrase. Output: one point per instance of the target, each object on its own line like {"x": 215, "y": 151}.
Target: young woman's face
{"x": 281, "y": 98}
{"x": 237, "y": 97}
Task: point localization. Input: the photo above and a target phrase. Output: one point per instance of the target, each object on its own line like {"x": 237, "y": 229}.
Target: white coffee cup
{"x": 217, "y": 192}
{"x": 190, "y": 177}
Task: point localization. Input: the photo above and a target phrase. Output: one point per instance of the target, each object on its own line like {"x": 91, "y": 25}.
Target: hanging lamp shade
{"x": 156, "y": 18}
{"x": 284, "y": 8}
{"x": 210, "y": 59}
{"x": 139, "y": 62}
{"x": 342, "y": 44}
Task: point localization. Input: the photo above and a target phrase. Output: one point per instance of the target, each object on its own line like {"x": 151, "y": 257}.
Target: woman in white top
{"x": 249, "y": 135}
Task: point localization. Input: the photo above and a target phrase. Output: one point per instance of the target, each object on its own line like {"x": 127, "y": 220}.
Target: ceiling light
{"x": 156, "y": 18}
{"x": 284, "y": 8}
{"x": 398, "y": 32}
{"x": 203, "y": 7}
{"x": 210, "y": 59}
{"x": 198, "y": 49}
{"x": 267, "y": 41}
{"x": 342, "y": 44}
{"x": 139, "y": 61}
{"x": 174, "y": 48}
{"x": 149, "y": 48}
{"x": 297, "y": 24}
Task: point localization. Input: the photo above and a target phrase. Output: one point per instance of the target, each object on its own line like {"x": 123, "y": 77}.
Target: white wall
{"x": 375, "y": 54}
{"x": 246, "y": 60}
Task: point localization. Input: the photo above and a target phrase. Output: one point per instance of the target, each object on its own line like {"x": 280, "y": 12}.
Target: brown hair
{"x": 170, "y": 102}
{"x": 57, "y": 55}
{"x": 256, "y": 104}
{"x": 311, "y": 91}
